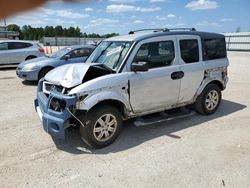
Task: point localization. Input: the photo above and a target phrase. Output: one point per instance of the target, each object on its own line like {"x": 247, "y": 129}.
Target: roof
{"x": 138, "y": 36}
{"x": 81, "y": 46}
{"x": 6, "y": 40}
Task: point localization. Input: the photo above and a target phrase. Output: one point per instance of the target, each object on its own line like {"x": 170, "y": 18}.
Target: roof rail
{"x": 162, "y": 29}
{"x": 184, "y": 28}
{"x": 154, "y": 30}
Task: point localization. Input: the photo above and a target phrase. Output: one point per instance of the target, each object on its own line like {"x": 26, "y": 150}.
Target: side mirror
{"x": 140, "y": 66}
{"x": 66, "y": 57}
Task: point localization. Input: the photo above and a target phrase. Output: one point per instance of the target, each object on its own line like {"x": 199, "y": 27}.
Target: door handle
{"x": 177, "y": 75}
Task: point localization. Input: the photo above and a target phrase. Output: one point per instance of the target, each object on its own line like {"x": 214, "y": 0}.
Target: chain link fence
{"x": 69, "y": 41}
{"x": 238, "y": 41}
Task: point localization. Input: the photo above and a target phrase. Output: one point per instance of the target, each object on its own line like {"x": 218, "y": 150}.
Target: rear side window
{"x": 3, "y": 46}
{"x": 18, "y": 45}
{"x": 157, "y": 54}
{"x": 189, "y": 50}
{"x": 214, "y": 49}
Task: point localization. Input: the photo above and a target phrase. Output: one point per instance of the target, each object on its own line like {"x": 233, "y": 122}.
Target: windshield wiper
{"x": 120, "y": 54}
{"x": 102, "y": 52}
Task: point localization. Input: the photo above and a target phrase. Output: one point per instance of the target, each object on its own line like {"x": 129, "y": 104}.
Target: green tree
{"x": 58, "y": 31}
{"x": 25, "y": 32}
{"x": 78, "y": 32}
{"x": 71, "y": 32}
{"x": 15, "y": 28}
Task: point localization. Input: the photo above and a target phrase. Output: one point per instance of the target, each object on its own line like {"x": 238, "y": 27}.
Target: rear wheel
{"x": 209, "y": 100}
{"x": 43, "y": 72}
{"x": 102, "y": 126}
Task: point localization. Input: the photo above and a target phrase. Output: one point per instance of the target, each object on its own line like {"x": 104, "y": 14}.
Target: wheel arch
{"x": 112, "y": 102}
{"x": 46, "y": 67}
{"x": 217, "y": 82}
{"x": 30, "y": 57}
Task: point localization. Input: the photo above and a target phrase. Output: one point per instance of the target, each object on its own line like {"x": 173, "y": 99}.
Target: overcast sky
{"x": 121, "y": 16}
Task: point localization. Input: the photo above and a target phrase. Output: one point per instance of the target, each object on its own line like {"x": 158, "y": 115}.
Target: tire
{"x": 96, "y": 135}
{"x": 209, "y": 100}
{"x": 43, "y": 72}
{"x": 30, "y": 57}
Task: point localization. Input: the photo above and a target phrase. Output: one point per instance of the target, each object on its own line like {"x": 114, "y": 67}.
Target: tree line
{"x": 28, "y": 32}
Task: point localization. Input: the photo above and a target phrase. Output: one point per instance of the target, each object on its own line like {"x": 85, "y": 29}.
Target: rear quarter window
{"x": 214, "y": 49}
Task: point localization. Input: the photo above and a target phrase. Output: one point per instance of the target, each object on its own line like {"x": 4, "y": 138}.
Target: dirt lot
{"x": 199, "y": 151}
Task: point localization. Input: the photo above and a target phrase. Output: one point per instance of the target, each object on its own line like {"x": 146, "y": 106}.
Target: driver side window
{"x": 157, "y": 54}
{"x": 79, "y": 53}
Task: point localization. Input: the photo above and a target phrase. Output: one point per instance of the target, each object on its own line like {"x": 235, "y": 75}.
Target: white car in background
{"x": 13, "y": 52}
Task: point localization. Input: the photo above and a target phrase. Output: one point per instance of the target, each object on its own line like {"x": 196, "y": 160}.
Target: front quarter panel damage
{"x": 109, "y": 87}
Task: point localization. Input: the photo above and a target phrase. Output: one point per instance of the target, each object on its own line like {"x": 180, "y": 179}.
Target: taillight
{"x": 41, "y": 50}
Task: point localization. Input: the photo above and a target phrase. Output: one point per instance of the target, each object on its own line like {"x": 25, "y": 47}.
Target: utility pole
{"x": 5, "y": 27}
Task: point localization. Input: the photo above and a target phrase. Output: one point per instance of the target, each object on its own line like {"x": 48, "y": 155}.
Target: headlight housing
{"x": 29, "y": 67}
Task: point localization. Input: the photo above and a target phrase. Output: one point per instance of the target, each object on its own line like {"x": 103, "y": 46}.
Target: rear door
{"x": 190, "y": 58}
{"x": 4, "y": 57}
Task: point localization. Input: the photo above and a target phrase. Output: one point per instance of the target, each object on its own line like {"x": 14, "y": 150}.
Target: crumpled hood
{"x": 69, "y": 75}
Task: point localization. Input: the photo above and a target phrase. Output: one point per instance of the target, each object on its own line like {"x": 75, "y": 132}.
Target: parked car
{"x": 13, "y": 52}
{"x": 36, "y": 69}
{"x": 133, "y": 76}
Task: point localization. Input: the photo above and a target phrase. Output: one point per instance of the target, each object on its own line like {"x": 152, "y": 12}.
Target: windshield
{"x": 110, "y": 54}
{"x": 61, "y": 52}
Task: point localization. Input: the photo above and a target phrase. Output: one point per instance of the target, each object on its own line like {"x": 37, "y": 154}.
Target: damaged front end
{"x": 54, "y": 105}
{"x": 55, "y": 110}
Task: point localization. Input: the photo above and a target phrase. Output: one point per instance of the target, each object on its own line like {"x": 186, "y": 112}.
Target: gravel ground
{"x": 199, "y": 151}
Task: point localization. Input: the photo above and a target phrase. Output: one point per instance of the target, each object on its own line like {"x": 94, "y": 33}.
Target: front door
{"x": 158, "y": 87}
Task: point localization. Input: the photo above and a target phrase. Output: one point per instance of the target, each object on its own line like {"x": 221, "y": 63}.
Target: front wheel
{"x": 102, "y": 126}
{"x": 209, "y": 100}
{"x": 43, "y": 72}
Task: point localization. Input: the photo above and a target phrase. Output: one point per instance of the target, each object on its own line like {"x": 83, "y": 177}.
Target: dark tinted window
{"x": 214, "y": 49}
{"x": 81, "y": 52}
{"x": 157, "y": 54}
{"x": 3, "y": 46}
{"x": 189, "y": 50}
{"x": 18, "y": 45}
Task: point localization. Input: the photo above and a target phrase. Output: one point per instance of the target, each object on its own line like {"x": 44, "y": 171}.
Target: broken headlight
{"x": 57, "y": 105}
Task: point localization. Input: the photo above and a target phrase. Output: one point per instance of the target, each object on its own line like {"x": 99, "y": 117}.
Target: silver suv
{"x": 133, "y": 76}
{"x": 13, "y": 52}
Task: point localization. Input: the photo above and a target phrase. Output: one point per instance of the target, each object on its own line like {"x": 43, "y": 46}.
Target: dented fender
{"x": 96, "y": 98}
{"x": 212, "y": 75}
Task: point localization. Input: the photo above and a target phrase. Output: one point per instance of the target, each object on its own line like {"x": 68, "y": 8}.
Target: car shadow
{"x": 29, "y": 83}
{"x": 132, "y": 136}
{"x": 2, "y": 68}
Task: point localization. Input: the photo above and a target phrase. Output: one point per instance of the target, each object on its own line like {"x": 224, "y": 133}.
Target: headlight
{"x": 29, "y": 67}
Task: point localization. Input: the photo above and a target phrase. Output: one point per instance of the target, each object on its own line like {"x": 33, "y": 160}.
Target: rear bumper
{"x": 54, "y": 122}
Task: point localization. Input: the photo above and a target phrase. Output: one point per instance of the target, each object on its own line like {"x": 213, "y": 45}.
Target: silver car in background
{"x": 13, "y": 52}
